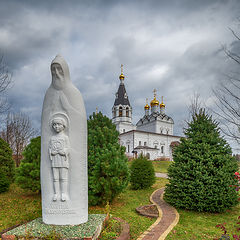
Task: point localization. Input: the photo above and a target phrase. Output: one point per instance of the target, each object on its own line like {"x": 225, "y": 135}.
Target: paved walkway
{"x": 162, "y": 175}
{"x": 168, "y": 218}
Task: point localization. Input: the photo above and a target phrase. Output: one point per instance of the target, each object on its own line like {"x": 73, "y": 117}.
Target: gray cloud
{"x": 173, "y": 46}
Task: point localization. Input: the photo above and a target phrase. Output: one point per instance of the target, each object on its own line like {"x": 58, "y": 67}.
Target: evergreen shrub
{"x": 4, "y": 182}
{"x": 28, "y": 173}
{"x": 142, "y": 173}
{"x": 108, "y": 173}
{"x": 7, "y": 166}
{"x": 201, "y": 176}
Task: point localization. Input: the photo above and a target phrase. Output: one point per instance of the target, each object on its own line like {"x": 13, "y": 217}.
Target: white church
{"x": 152, "y": 136}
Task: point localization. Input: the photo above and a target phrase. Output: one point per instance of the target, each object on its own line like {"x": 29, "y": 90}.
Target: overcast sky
{"x": 173, "y": 46}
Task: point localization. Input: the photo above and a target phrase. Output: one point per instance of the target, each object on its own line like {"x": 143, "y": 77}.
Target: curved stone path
{"x": 168, "y": 218}
{"x": 161, "y": 175}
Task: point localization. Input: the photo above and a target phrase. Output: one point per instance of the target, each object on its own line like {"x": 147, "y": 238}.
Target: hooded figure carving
{"x": 63, "y": 150}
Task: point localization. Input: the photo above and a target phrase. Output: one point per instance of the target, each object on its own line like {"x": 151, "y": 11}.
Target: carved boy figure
{"x": 59, "y": 156}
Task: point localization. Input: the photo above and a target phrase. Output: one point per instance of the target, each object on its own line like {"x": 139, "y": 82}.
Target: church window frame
{"x": 162, "y": 149}
{"x": 127, "y": 112}
{"x": 128, "y": 148}
{"x": 140, "y": 143}
{"x": 114, "y": 112}
{"x": 145, "y": 143}
{"x": 120, "y": 113}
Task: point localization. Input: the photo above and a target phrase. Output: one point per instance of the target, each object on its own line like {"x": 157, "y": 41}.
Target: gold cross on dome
{"x": 154, "y": 92}
{"x": 146, "y": 100}
{"x": 121, "y": 69}
{"x": 162, "y": 99}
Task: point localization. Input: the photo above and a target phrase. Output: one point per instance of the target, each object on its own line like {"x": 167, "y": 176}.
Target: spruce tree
{"x": 201, "y": 176}
{"x": 108, "y": 173}
{"x": 28, "y": 173}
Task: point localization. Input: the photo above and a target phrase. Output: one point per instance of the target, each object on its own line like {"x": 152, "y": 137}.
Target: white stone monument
{"x": 64, "y": 185}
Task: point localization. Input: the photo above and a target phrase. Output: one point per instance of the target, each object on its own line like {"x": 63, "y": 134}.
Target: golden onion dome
{"x": 121, "y": 77}
{"x": 154, "y": 102}
{"x": 162, "y": 104}
{"x": 147, "y": 107}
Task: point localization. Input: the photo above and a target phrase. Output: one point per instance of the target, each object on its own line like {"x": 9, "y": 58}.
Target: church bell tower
{"x": 122, "y": 110}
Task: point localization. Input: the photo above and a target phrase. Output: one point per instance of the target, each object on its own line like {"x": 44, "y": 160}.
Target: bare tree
{"x": 5, "y": 83}
{"x": 228, "y": 98}
{"x": 195, "y": 104}
{"x": 17, "y": 133}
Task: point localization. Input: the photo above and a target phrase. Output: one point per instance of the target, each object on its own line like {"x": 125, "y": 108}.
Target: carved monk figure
{"x": 64, "y": 180}
{"x": 59, "y": 156}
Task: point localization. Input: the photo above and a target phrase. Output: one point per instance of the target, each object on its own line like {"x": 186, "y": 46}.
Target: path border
{"x": 170, "y": 227}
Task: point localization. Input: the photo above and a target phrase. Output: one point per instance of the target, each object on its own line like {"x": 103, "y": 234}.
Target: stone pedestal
{"x": 38, "y": 229}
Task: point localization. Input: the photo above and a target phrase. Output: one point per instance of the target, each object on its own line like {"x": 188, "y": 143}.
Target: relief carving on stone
{"x": 59, "y": 154}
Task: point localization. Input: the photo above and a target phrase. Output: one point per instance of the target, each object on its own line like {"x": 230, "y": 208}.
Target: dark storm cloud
{"x": 173, "y": 46}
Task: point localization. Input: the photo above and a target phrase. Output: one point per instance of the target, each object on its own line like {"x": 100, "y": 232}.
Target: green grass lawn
{"x": 194, "y": 225}
{"x": 18, "y": 206}
{"x": 161, "y": 166}
{"x": 124, "y": 207}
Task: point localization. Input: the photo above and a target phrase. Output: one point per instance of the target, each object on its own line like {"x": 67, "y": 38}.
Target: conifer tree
{"x": 108, "y": 173}
{"x": 7, "y": 166}
{"x": 202, "y": 173}
{"x": 28, "y": 173}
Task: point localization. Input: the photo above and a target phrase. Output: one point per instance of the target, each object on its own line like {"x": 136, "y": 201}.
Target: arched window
{"x": 120, "y": 111}
{"x": 162, "y": 149}
{"x": 148, "y": 155}
{"x": 127, "y": 112}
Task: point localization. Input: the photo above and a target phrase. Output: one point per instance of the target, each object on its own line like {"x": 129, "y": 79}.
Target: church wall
{"x": 156, "y": 127}
{"x": 124, "y": 127}
{"x": 164, "y": 126}
{"x": 126, "y": 140}
{"x": 147, "y": 127}
{"x": 133, "y": 138}
{"x": 153, "y": 141}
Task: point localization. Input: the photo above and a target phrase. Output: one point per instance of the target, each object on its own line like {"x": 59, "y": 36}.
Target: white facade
{"x": 123, "y": 127}
{"x": 158, "y": 146}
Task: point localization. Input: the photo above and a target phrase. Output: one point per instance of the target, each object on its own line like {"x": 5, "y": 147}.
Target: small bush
{"x": 28, "y": 173}
{"x": 142, "y": 173}
{"x": 112, "y": 231}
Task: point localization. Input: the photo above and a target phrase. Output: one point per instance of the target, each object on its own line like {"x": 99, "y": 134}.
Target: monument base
{"x": 37, "y": 229}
